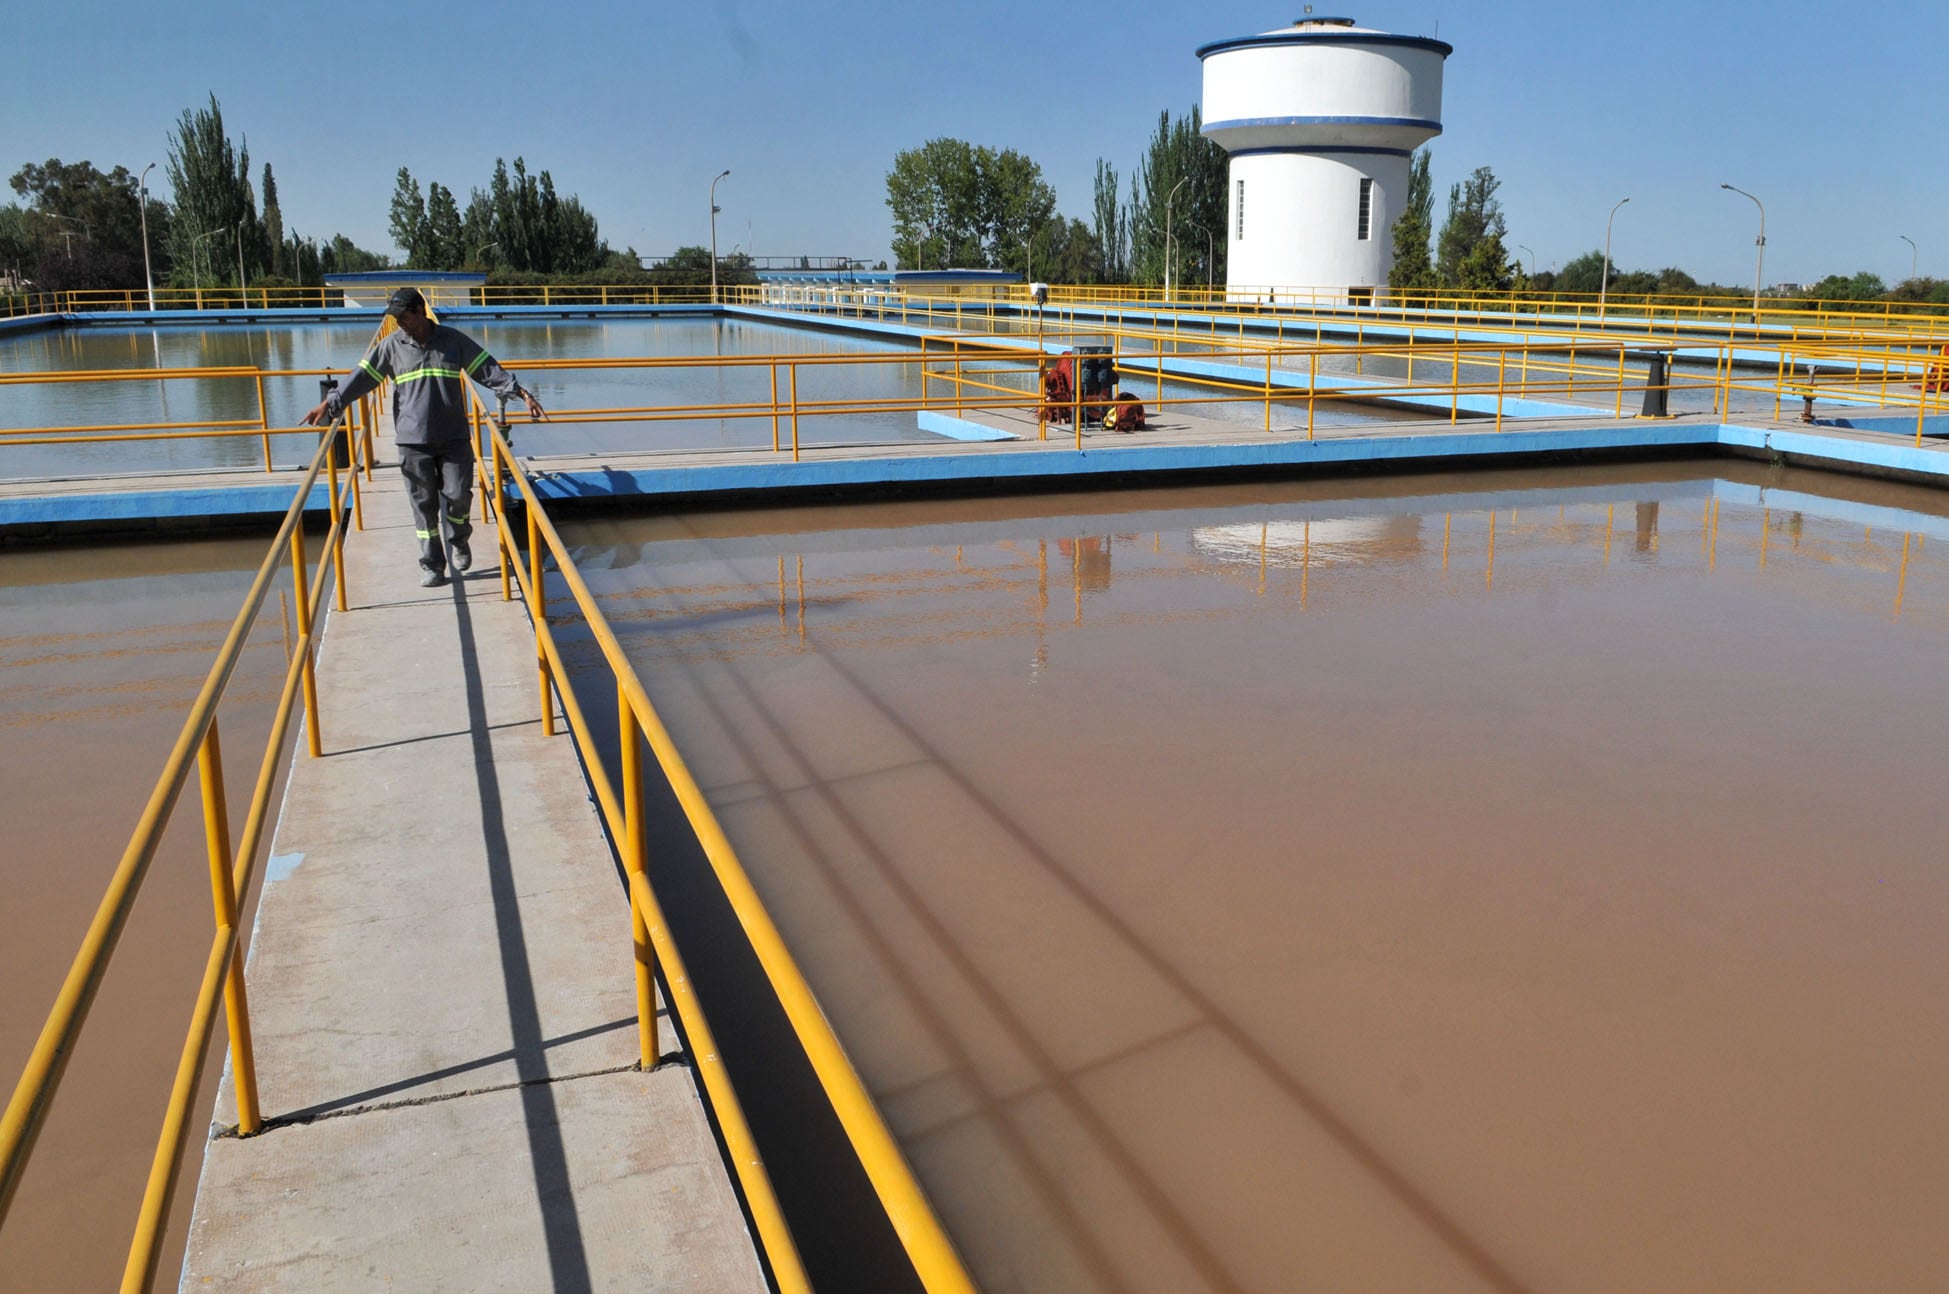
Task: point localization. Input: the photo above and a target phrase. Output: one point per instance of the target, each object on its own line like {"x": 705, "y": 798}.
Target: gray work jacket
{"x": 429, "y": 383}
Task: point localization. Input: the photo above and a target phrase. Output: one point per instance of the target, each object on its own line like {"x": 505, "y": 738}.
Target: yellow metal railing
{"x": 231, "y": 860}
{"x": 523, "y": 562}
{"x": 1283, "y": 368}
{"x": 206, "y": 429}
{"x": 1798, "y": 318}
{"x": 91, "y": 300}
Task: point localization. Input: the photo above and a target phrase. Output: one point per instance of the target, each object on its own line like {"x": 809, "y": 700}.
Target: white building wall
{"x": 1301, "y": 221}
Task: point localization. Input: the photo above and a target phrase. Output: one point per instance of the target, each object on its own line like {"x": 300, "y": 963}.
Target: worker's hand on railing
{"x": 314, "y": 416}
{"x": 535, "y": 410}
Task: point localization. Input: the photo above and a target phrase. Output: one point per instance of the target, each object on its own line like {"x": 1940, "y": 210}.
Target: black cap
{"x": 405, "y": 301}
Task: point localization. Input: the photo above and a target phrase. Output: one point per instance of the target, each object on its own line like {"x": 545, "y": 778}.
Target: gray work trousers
{"x": 439, "y": 484}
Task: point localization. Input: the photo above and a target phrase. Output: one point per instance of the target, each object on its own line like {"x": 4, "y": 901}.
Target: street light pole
{"x": 1532, "y": 261}
{"x": 721, "y": 175}
{"x": 1911, "y": 253}
{"x": 1759, "y": 265}
{"x": 143, "y": 197}
{"x": 196, "y": 276}
{"x": 243, "y": 289}
{"x": 68, "y": 235}
{"x": 1168, "y": 248}
{"x": 1604, "y": 284}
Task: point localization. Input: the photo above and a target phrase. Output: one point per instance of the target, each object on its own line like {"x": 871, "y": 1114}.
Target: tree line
{"x": 968, "y": 206}
{"x": 518, "y": 222}
{"x": 80, "y": 228}
{"x": 964, "y": 205}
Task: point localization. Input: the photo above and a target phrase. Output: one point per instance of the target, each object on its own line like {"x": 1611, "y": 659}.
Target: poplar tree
{"x": 211, "y": 180}
{"x": 408, "y": 222}
{"x": 1412, "y": 266}
{"x": 1195, "y": 220}
{"x": 1112, "y": 234}
{"x": 277, "y": 257}
{"x": 442, "y": 234}
{"x": 1471, "y": 254}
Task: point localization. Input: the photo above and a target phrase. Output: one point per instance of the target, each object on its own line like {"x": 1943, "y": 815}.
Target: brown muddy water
{"x": 102, "y": 649}
{"x": 1498, "y": 881}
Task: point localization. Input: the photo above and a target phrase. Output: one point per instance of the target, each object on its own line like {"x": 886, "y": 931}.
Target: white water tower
{"x": 1320, "y": 119}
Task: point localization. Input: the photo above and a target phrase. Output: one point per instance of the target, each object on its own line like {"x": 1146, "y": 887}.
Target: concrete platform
{"x": 1000, "y": 449}
{"x": 442, "y": 995}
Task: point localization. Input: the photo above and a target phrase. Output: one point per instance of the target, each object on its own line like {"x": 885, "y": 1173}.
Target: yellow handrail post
{"x": 793, "y": 375}
{"x": 1502, "y": 365}
{"x": 635, "y": 849}
{"x": 538, "y": 612}
{"x": 1312, "y": 370}
{"x": 773, "y": 366}
{"x": 501, "y": 519}
{"x": 480, "y": 469}
{"x": 337, "y": 531}
{"x": 1620, "y": 381}
{"x": 264, "y": 419}
{"x": 216, "y": 831}
{"x": 352, "y": 475}
{"x": 1076, "y": 397}
{"x": 301, "y": 598}
{"x": 1268, "y": 389}
{"x": 367, "y": 425}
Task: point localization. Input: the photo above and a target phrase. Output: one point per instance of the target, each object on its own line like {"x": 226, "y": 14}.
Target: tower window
{"x": 1366, "y": 229}
{"x": 1239, "y": 207}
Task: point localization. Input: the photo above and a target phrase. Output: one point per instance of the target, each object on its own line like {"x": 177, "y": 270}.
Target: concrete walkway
{"x": 441, "y": 991}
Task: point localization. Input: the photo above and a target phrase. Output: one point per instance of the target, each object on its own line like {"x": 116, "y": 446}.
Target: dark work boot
{"x": 433, "y": 564}
{"x": 457, "y": 544}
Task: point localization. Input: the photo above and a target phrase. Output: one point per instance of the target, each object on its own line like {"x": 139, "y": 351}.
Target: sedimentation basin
{"x": 1442, "y": 881}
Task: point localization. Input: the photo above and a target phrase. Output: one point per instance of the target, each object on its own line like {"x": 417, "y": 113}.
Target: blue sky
{"x": 1831, "y": 114}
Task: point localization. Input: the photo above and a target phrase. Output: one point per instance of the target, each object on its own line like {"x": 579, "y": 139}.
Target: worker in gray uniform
{"x": 429, "y": 365}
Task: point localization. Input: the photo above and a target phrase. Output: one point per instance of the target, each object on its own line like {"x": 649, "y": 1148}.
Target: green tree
{"x": 210, "y": 178}
{"x": 1413, "y": 268}
{"x": 477, "y": 232}
{"x": 1015, "y": 205}
{"x": 939, "y": 210}
{"x": 442, "y": 233}
{"x": 1585, "y": 274}
{"x": 277, "y": 259}
{"x": 16, "y": 252}
{"x": 1067, "y": 251}
{"x": 81, "y": 228}
{"x": 1178, "y": 159}
{"x": 1470, "y": 253}
{"x": 1849, "y": 287}
{"x": 342, "y": 256}
{"x": 407, "y": 222}
{"x": 1112, "y": 231}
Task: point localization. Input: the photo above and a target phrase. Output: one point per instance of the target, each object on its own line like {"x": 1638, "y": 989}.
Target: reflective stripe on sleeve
{"x": 418, "y": 373}
{"x": 372, "y": 372}
{"x": 479, "y": 360}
